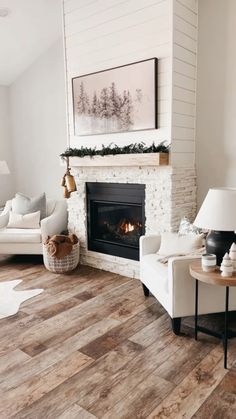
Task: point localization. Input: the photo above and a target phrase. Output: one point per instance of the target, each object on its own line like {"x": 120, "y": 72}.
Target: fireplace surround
{"x": 115, "y": 218}
{"x": 170, "y": 193}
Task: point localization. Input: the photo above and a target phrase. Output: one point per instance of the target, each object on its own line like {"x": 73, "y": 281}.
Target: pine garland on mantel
{"x": 114, "y": 149}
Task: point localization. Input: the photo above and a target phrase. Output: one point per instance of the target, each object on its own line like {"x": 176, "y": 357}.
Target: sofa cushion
{"x": 51, "y": 203}
{"x": 173, "y": 244}
{"x": 20, "y": 235}
{"x": 156, "y": 270}
{"x": 4, "y": 218}
{"x": 24, "y": 221}
{"x": 50, "y": 206}
{"x": 7, "y": 207}
{"x": 22, "y": 204}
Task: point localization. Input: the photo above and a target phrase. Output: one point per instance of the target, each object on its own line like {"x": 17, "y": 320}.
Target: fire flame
{"x": 127, "y": 227}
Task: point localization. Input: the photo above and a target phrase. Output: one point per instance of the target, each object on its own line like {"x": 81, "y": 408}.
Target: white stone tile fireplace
{"x": 166, "y": 29}
{"x": 170, "y": 193}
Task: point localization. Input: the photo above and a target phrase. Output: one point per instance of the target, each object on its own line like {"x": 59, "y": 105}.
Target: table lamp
{"x": 4, "y": 170}
{"x": 218, "y": 214}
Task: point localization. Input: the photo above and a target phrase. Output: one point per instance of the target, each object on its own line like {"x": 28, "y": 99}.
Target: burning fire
{"x": 127, "y": 227}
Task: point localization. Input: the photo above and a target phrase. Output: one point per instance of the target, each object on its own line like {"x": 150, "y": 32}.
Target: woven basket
{"x": 63, "y": 265}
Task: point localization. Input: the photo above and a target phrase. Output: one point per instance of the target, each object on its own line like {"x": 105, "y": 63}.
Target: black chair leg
{"x": 145, "y": 290}
{"x": 176, "y": 325}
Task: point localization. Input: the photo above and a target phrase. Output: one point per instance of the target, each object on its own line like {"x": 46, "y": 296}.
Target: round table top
{"x": 213, "y": 278}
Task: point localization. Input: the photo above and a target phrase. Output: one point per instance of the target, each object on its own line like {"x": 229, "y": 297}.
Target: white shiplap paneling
{"x": 186, "y": 69}
{"x": 181, "y": 10}
{"x": 190, "y": 4}
{"x": 115, "y": 13}
{"x": 71, "y": 5}
{"x": 183, "y": 108}
{"x": 181, "y": 25}
{"x": 185, "y": 22}
{"x": 102, "y": 34}
{"x": 89, "y": 10}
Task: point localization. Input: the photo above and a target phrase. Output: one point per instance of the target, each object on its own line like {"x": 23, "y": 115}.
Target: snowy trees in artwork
{"x": 108, "y": 111}
{"x": 83, "y": 102}
{"x": 107, "y": 106}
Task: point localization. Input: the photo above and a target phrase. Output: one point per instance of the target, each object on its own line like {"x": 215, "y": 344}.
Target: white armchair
{"x": 29, "y": 241}
{"x": 172, "y": 285}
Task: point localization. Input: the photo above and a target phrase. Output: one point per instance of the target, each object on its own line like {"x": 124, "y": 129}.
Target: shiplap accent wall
{"x": 185, "y": 24}
{"x": 101, "y": 34}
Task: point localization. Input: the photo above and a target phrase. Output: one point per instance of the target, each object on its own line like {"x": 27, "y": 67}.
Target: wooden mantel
{"x": 128, "y": 160}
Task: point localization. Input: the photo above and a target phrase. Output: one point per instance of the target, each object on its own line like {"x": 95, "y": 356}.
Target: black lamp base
{"x": 219, "y": 242}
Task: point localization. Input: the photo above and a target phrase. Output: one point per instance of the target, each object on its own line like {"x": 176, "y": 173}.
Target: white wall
{"x": 102, "y": 34}
{"x": 38, "y": 123}
{"x": 216, "y": 95}
{"x": 6, "y": 151}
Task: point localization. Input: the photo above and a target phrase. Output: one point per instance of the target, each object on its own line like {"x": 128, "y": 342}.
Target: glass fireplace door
{"x": 117, "y": 223}
{"x": 115, "y": 218}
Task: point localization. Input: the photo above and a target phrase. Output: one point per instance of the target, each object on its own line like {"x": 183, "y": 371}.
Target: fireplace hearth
{"x": 115, "y": 218}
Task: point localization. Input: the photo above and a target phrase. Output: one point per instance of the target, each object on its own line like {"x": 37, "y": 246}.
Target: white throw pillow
{"x": 24, "y": 221}
{"x": 4, "y": 218}
{"x": 22, "y": 204}
{"x": 186, "y": 227}
{"x": 173, "y": 244}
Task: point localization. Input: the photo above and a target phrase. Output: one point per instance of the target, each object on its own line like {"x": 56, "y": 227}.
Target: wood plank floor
{"x": 92, "y": 346}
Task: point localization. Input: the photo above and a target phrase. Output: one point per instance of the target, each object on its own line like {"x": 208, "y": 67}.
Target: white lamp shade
{"x": 218, "y": 211}
{"x": 4, "y": 170}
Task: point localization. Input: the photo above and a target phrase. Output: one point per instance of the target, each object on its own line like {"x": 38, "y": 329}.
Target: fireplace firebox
{"x": 115, "y": 218}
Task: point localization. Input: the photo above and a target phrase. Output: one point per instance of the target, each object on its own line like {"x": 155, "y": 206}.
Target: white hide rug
{"x": 10, "y": 300}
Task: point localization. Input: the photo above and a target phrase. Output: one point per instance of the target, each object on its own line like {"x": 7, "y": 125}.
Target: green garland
{"x": 113, "y": 149}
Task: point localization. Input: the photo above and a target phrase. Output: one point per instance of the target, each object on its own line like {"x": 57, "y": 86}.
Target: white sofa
{"x": 173, "y": 286}
{"x": 29, "y": 241}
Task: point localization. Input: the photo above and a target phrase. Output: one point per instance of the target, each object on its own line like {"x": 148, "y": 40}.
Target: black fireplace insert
{"x": 115, "y": 218}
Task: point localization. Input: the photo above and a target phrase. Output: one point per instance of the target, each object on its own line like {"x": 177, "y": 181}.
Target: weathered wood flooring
{"x": 92, "y": 346}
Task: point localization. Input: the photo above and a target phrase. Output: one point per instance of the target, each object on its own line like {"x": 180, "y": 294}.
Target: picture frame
{"x": 116, "y": 100}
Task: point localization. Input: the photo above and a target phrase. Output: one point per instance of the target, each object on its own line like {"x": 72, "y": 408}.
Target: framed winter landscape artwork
{"x": 119, "y": 99}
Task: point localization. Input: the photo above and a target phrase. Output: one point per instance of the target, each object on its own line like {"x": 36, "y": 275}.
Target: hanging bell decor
{"x": 66, "y": 193}
{"x": 68, "y": 181}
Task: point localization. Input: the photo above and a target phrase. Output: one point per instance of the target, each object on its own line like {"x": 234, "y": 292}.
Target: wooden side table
{"x": 213, "y": 278}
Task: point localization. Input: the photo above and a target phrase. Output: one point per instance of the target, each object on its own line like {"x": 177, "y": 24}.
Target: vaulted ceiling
{"x": 30, "y": 28}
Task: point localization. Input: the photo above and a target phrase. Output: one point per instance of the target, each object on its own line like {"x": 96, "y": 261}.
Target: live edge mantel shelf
{"x": 128, "y": 160}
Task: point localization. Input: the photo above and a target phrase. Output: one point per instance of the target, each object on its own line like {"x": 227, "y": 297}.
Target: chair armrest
{"x": 56, "y": 222}
{"x": 149, "y": 244}
{"x": 180, "y": 282}
{"x": 178, "y": 266}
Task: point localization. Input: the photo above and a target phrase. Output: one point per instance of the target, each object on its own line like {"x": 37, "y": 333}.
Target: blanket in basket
{"x": 59, "y": 246}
